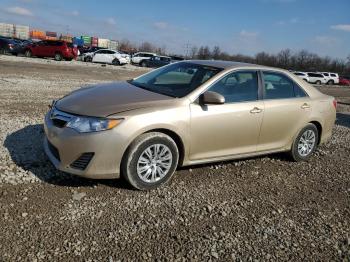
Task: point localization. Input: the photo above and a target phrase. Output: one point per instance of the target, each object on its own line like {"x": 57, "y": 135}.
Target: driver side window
{"x": 241, "y": 86}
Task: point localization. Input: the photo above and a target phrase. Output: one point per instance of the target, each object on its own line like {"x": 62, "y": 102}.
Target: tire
{"x": 330, "y": 82}
{"x": 318, "y": 82}
{"x": 116, "y": 62}
{"x": 58, "y": 57}
{"x": 299, "y": 150}
{"x": 88, "y": 59}
{"x": 28, "y": 53}
{"x": 143, "y": 64}
{"x": 136, "y": 171}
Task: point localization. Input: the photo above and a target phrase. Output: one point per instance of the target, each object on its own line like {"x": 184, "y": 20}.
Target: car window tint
{"x": 298, "y": 91}
{"x": 238, "y": 87}
{"x": 277, "y": 86}
{"x": 333, "y": 75}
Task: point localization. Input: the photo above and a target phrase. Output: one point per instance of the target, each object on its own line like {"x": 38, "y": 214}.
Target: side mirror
{"x": 211, "y": 98}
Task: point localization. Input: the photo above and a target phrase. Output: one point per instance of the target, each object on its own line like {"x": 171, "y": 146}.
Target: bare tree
{"x": 193, "y": 52}
{"x": 216, "y": 53}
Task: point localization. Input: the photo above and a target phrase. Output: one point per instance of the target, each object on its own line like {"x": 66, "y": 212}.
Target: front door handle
{"x": 256, "y": 110}
{"x": 305, "y": 106}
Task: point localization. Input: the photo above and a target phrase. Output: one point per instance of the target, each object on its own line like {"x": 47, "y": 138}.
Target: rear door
{"x": 287, "y": 110}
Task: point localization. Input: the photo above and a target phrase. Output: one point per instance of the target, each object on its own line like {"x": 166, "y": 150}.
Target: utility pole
{"x": 187, "y": 49}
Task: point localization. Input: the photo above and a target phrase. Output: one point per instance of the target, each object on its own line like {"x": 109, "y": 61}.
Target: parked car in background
{"x": 182, "y": 114}
{"x": 316, "y": 78}
{"x": 141, "y": 57}
{"x": 49, "y": 48}
{"x": 302, "y": 75}
{"x": 331, "y": 78}
{"x": 106, "y": 56}
{"x": 344, "y": 81}
{"x": 157, "y": 61}
{"x": 21, "y": 47}
{"x": 7, "y": 45}
{"x": 176, "y": 58}
{"x": 126, "y": 56}
{"x": 91, "y": 49}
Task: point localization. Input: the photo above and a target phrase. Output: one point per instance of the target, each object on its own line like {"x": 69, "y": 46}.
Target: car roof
{"x": 149, "y": 53}
{"x": 227, "y": 64}
{"x": 106, "y": 49}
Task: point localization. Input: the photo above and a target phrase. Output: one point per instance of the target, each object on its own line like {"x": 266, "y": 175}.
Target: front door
{"x": 219, "y": 131}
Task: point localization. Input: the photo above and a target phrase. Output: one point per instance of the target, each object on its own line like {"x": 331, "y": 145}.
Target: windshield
{"x": 176, "y": 80}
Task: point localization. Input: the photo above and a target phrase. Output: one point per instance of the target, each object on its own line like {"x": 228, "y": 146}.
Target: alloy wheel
{"x": 306, "y": 143}
{"x": 154, "y": 163}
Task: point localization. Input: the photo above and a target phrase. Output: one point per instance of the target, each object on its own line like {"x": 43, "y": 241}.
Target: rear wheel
{"x": 28, "y": 53}
{"x": 305, "y": 143}
{"x": 318, "y": 82}
{"x": 58, "y": 57}
{"x": 330, "y": 82}
{"x": 150, "y": 161}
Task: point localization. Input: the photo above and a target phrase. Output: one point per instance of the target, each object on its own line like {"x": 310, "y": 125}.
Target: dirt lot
{"x": 265, "y": 208}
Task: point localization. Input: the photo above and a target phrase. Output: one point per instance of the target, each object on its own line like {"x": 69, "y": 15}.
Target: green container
{"x": 86, "y": 39}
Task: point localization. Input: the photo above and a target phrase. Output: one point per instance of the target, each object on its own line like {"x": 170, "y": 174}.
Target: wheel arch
{"x": 176, "y": 137}
{"x": 319, "y": 129}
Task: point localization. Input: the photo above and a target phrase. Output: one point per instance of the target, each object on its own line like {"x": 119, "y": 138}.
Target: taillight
{"x": 335, "y": 103}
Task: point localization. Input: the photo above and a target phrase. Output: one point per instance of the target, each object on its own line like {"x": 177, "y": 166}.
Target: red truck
{"x": 48, "y": 48}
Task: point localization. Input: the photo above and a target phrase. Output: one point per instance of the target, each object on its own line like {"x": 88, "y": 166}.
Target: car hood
{"x": 107, "y": 99}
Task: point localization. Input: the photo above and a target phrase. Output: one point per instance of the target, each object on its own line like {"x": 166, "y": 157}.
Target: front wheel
{"x": 58, "y": 57}
{"x": 144, "y": 64}
{"x": 318, "y": 82}
{"x": 150, "y": 161}
{"x": 305, "y": 143}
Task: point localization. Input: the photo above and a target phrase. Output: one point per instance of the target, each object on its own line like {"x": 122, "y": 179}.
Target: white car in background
{"x": 316, "y": 78}
{"x": 106, "y": 56}
{"x": 302, "y": 75}
{"x": 141, "y": 57}
{"x": 332, "y": 78}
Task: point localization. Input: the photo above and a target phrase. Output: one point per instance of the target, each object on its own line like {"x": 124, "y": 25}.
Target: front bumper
{"x": 64, "y": 146}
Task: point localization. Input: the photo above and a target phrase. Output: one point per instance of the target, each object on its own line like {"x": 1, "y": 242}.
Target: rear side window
{"x": 315, "y": 75}
{"x": 239, "y": 86}
{"x": 279, "y": 86}
{"x": 333, "y": 75}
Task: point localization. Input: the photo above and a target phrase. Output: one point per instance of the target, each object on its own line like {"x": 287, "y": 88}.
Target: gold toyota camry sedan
{"x": 186, "y": 113}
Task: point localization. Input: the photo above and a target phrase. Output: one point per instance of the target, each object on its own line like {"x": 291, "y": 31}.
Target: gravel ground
{"x": 265, "y": 208}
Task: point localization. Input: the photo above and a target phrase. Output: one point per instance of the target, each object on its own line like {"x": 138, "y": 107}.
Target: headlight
{"x": 89, "y": 124}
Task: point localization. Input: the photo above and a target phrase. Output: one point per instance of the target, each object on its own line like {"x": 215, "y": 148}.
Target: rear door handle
{"x": 256, "y": 110}
{"x": 305, "y": 106}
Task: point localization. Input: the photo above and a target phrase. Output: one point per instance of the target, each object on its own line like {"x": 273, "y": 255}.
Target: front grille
{"x": 54, "y": 151}
{"x": 82, "y": 162}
